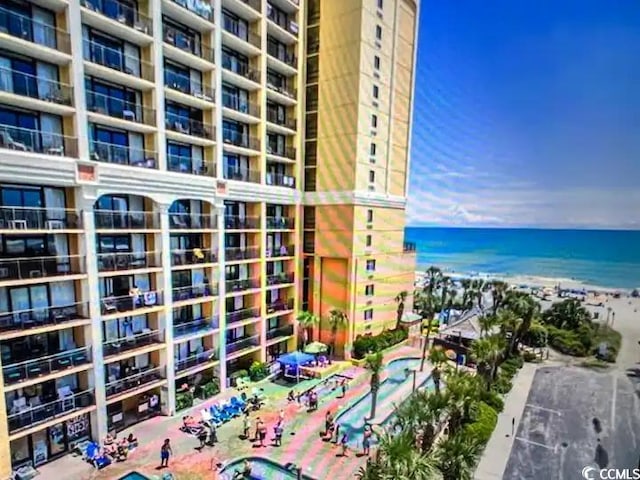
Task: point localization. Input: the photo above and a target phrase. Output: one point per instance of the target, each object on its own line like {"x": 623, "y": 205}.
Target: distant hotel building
{"x": 178, "y": 179}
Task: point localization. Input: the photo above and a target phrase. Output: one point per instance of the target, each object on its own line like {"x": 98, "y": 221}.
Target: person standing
{"x": 337, "y": 433}
{"x": 328, "y": 422}
{"x": 165, "y": 453}
{"x": 281, "y": 415}
{"x": 259, "y": 425}
{"x": 278, "y": 434}
{"x": 343, "y": 442}
{"x": 366, "y": 440}
{"x": 246, "y": 426}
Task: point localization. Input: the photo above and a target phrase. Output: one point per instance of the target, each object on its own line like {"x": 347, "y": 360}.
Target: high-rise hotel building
{"x": 178, "y": 179}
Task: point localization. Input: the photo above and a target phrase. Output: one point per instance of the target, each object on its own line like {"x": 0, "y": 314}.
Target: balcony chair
{"x": 7, "y": 142}
{"x": 109, "y": 306}
{"x": 65, "y": 394}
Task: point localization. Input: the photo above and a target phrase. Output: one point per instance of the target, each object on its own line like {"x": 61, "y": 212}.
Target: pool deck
{"x": 301, "y": 443}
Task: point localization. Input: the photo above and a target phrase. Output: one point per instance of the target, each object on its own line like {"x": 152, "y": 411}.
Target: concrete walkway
{"x": 496, "y": 454}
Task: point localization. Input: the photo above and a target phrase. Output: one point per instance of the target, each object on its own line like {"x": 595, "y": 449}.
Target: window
{"x": 378, "y": 32}
{"x": 369, "y": 216}
{"x": 368, "y": 314}
{"x": 371, "y": 265}
{"x": 372, "y": 176}
{"x": 374, "y": 121}
{"x": 369, "y": 240}
{"x": 380, "y": 4}
{"x": 368, "y": 290}
{"x": 376, "y": 62}
{"x": 372, "y": 150}
{"x": 376, "y": 91}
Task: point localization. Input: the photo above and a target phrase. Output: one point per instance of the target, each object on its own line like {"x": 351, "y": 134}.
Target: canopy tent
{"x": 315, "y": 348}
{"x": 293, "y": 361}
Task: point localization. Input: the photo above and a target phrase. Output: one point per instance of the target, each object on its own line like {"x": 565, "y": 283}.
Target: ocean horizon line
{"x": 515, "y": 227}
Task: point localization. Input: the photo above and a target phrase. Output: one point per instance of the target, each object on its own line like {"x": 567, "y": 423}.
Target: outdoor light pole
{"x": 414, "y": 379}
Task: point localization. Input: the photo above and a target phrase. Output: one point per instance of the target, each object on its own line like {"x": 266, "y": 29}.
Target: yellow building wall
{"x": 334, "y": 294}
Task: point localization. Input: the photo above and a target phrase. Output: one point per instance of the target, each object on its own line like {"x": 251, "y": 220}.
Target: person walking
{"x": 262, "y": 433}
{"x": 165, "y": 453}
{"x": 337, "y": 433}
{"x": 343, "y": 388}
{"x": 343, "y": 442}
{"x": 246, "y": 426}
{"x": 213, "y": 433}
{"x": 259, "y": 424}
{"x": 328, "y": 422}
{"x": 366, "y": 440}
{"x": 281, "y": 415}
{"x": 278, "y": 434}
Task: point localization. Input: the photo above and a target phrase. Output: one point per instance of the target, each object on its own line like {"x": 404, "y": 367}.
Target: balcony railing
{"x": 187, "y": 44}
{"x": 242, "y": 175}
{"x": 195, "y": 326}
{"x": 238, "y": 253}
{"x": 135, "y": 381}
{"x": 180, "y": 164}
{"x": 408, "y": 247}
{"x": 39, "y": 367}
{"x": 187, "y": 126}
{"x": 276, "y": 251}
{"x": 242, "y": 344}
{"x": 232, "y": 137}
{"x": 281, "y": 180}
{"x": 280, "y": 279}
{"x": 126, "y": 220}
{"x": 280, "y": 223}
{"x": 184, "y": 84}
{"x": 242, "y": 284}
{"x": 230, "y": 25}
{"x": 278, "y": 118}
{"x": 112, "y": 262}
{"x": 282, "y": 88}
{"x": 282, "y": 55}
{"x": 193, "y": 257}
{"x": 279, "y": 306}
{"x": 32, "y": 30}
{"x": 41, "y": 218}
{"x": 235, "y": 103}
{"x": 31, "y": 416}
{"x": 120, "y": 12}
{"x": 199, "y": 7}
{"x": 117, "y": 60}
{"x": 234, "y": 222}
{"x": 37, "y": 141}
{"x": 193, "y": 221}
{"x": 25, "y": 268}
{"x": 42, "y": 317}
{"x": 286, "y": 152}
{"x": 190, "y": 292}
{"x": 129, "y": 303}
{"x": 26, "y": 85}
{"x": 255, "y": 4}
{"x": 122, "y": 155}
{"x": 284, "y": 331}
{"x": 197, "y": 359}
{"x": 120, "y": 108}
{"x": 242, "y": 69}
{"x": 131, "y": 342}
{"x": 283, "y": 21}
{"x": 242, "y": 315}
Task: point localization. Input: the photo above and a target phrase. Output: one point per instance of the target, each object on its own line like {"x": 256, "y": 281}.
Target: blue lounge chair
{"x": 235, "y": 402}
{"x": 98, "y": 462}
{"x": 217, "y": 412}
{"x": 231, "y": 410}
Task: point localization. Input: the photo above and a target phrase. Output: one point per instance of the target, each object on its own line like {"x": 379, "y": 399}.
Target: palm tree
{"x": 432, "y": 279}
{"x": 509, "y": 326}
{"x": 462, "y": 395}
{"x": 456, "y": 457}
{"x": 337, "y": 320}
{"x": 306, "y": 321}
{"x": 479, "y": 286}
{"x": 400, "y": 300}
{"x": 498, "y": 291}
{"x": 487, "y": 352}
{"x": 437, "y": 357}
{"x": 373, "y": 363}
{"x": 423, "y": 302}
{"x": 487, "y": 323}
{"x": 468, "y": 293}
{"x": 445, "y": 284}
{"x": 422, "y": 412}
{"x": 525, "y": 307}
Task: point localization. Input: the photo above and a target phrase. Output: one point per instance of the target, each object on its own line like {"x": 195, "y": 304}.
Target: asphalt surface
{"x": 573, "y": 418}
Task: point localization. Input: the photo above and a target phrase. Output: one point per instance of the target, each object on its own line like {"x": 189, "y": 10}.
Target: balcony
{"x": 128, "y": 303}
{"x": 40, "y": 88}
{"x": 195, "y": 327}
{"x": 288, "y": 92}
{"x": 233, "y": 254}
{"x": 242, "y": 175}
{"x": 234, "y": 222}
{"x": 115, "y": 262}
{"x": 242, "y": 315}
{"x": 241, "y": 69}
{"x": 190, "y": 292}
{"x": 255, "y": 4}
{"x": 230, "y": 25}
{"x": 133, "y": 382}
{"x": 280, "y": 180}
{"x": 283, "y": 21}
{"x": 279, "y": 306}
{"x": 28, "y": 417}
{"x": 23, "y": 219}
{"x": 409, "y": 247}
{"x": 122, "y": 155}
{"x": 189, "y": 165}
{"x": 184, "y": 84}
{"x": 194, "y": 360}
{"x": 183, "y": 42}
{"x": 117, "y": 60}
{"x": 246, "y": 343}
{"x": 282, "y": 55}
{"x": 192, "y": 221}
{"x": 277, "y": 251}
{"x": 230, "y": 137}
{"x": 195, "y": 256}
{"x": 120, "y": 108}
{"x": 280, "y": 332}
{"x": 32, "y": 30}
{"x": 201, "y": 8}
{"x": 234, "y": 103}
{"x": 37, "y": 141}
{"x": 234, "y": 286}
{"x": 273, "y": 116}
{"x": 132, "y": 342}
{"x": 122, "y": 13}
{"x": 280, "y": 279}
{"x": 281, "y": 223}
{"x": 126, "y": 220}
{"x": 42, "y": 366}
{"x": 284, "y": 152}
{"x": 30, "y": 268}
{"x": 42, "y": 317}
{"x": 186, "y": 126}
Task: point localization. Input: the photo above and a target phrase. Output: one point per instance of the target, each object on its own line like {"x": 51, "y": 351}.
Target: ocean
{"x": 605, "y": 258}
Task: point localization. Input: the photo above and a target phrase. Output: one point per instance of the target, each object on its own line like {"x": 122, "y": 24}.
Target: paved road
{"x": 568, "y": 409}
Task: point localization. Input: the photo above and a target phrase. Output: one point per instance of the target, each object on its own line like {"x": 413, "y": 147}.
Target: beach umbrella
{"x": 315, "y": 348}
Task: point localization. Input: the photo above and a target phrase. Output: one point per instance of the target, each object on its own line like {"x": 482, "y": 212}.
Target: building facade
{"x": 157, "y": 193}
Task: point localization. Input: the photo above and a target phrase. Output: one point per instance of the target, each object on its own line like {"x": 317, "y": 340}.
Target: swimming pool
{"x": 134, "y": 476}
{"x": 261, "y": 469}
{"x": 352, "y": 419}
{"x": 326, "y": 386}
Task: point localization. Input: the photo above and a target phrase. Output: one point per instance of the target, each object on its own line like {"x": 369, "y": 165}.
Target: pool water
{"x": 326, "y": 386}
{"x": 261, "y": 469}
{"x": 134, "y": 476}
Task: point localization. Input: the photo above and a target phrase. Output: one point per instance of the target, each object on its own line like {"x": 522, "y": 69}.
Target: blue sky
{"x": 527, "y": 113}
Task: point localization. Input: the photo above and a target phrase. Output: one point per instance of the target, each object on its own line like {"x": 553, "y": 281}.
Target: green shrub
{"x": 366, "y": 344}
{"x": 503, "y": 383}
{"x": 493, "y": 399}
{"x": 483, "y": 424}
{"x": 184, "y": 400}
{"x": 536, "y": 335}
{"x": 239, "y": 374}
{"x": 258, "y": 371}
{"x": 210, "y": 389}
{"x": 529, "y": 356}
